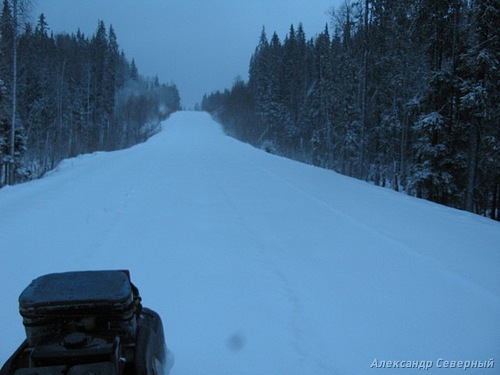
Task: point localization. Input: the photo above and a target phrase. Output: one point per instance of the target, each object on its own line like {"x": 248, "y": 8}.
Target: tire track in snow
{"x": 297, "y": 311}
{"x": 295, "y": 305}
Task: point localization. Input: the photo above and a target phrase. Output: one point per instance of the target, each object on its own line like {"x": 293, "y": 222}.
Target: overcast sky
{"x": 200, "y": 45}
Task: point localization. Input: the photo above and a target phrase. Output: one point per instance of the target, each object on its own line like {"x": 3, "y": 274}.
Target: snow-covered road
{"x": 258, "y": 264}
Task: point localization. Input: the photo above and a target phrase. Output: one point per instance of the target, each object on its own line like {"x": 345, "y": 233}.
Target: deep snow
{"x": 258, "y": 264}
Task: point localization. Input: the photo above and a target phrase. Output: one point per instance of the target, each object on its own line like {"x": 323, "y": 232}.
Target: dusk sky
{"x": 200, "y": 45}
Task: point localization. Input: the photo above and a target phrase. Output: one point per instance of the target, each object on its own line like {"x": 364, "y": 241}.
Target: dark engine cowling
{"x": 88, "y": 323}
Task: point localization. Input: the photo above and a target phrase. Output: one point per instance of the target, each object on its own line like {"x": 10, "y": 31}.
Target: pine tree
{"x": 321, "y": 104}
{"x": 6, "y": 44}
{"x": 134, "y": 73}
{"x": 479, "y": 102}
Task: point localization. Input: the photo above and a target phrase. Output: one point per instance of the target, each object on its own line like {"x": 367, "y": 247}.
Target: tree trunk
{"x": 495, "y": 209}
{"x": 472, "y": 166}
{"x": 12, "y": 166}
{"x": 364, "y": 96}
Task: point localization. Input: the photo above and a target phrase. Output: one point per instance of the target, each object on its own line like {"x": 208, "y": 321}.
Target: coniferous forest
{"x": 400, "y": 93}
{"x": 71, "y": 94}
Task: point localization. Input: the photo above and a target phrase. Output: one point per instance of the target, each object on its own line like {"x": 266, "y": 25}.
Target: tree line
{"x": 401, "y": 93}
{"x": 74, "y": 94}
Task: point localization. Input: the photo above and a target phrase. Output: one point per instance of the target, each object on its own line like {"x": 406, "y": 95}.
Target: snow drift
{"x": 258, "y": 264}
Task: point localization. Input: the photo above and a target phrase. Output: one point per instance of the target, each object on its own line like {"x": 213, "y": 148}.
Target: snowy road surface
{"x": 258, "y": 264}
